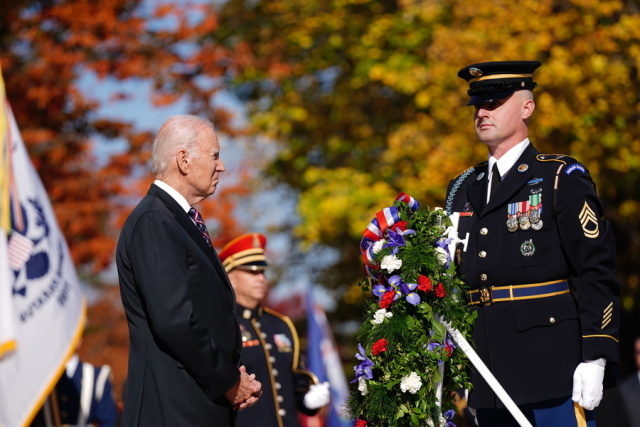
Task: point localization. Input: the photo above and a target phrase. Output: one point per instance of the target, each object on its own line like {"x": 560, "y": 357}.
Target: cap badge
{"x": 256, "y": 241}
{"x": 475, "y": 72}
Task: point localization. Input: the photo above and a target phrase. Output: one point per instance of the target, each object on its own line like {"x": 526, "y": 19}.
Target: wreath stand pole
{"x": 487, "y": 375}
{"x": 452, "y": 233}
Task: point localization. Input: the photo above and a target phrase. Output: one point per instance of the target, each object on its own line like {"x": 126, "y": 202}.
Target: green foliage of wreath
{"x": 404, "y": 347}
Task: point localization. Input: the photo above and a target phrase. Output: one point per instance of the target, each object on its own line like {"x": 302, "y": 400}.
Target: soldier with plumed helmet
{"x": 270, "y": 344}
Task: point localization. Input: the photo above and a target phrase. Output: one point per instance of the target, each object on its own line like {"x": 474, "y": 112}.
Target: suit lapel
{"x": 187, "y": 224}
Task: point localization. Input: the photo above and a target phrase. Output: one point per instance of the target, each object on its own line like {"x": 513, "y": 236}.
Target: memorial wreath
{"x": 408, "y": 364}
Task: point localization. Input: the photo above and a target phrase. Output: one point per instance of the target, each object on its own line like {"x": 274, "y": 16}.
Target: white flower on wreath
{"x": 362, "y": 385}
{"x": 442, "y": 256}
{"x": 380, "y": 315}
{"x": 391, "y": 263}
{"x": 377, "y": 246}
{"x": 411, "y": 383}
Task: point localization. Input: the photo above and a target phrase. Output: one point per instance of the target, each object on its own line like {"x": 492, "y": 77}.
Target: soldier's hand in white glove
{"x": 587, "y": 383}
{"x": 317, "y": 396}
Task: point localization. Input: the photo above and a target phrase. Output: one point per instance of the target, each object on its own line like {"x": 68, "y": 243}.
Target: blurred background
{"x": 325, "y": 110}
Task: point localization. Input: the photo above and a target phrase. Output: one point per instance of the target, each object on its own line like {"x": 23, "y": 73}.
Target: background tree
{"x": 48, "y": 47}
{"x": 361, "y": 100}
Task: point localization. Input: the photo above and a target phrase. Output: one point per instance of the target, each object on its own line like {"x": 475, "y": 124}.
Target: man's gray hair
{"x": 175, "y": 133}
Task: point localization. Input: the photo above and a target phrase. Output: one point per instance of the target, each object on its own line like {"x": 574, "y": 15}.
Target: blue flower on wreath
{"x": 450, "y": 343}
{"x": 406, "y": 289}
{"x": 448, "y": 416}
{"x": 395, "y": 239}
{"x": 443, "y": 245}
{"x": 434, "y": 346}
{"x": 379, "y": 289}
{"x": 364, "y": 368}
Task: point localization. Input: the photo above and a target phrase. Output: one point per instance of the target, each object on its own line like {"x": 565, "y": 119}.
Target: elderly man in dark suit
{"x": 184, "y": 356}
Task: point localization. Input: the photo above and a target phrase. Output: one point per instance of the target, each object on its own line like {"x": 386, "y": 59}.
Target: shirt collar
{"x": 174, "y": 194}
{"x": 247, "y": 313}
{"x": 509, "y": 158}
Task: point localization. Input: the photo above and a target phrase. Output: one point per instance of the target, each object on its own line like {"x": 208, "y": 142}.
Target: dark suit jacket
{"x": 533, "y": 346}
{"x": 180, "y": 306}
{"x": 630, "y": 393}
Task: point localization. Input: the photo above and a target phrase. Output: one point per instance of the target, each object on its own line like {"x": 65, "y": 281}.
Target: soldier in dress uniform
{"x": 538, "y": 259}
{"x": 83, "y": 396}
{"x": 270, "y": 343}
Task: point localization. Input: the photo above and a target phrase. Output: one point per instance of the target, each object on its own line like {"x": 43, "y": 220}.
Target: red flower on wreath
{"x": 424, "y": 284}
{"x": 361, "y": 423}
{"x": 440, "y": 291}
{"x": 379, "y": 346}
{"x": 449, "y": 349}
{"x": 387, "y": 299}
{"x": 402, "y": 225}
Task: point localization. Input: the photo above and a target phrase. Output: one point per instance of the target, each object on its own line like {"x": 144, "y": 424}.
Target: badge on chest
{"x": 248, "y": 339}
{"x": 282, "y": 342}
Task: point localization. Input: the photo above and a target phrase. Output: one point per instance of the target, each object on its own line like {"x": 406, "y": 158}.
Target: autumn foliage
{"x": 359, "y": 99}
{"x": 50, "y": 49}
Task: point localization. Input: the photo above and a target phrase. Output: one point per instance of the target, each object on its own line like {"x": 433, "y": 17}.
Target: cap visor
{"x": 489, "y": 97}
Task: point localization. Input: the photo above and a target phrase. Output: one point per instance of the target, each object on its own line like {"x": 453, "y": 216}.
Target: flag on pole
{"x": 42, "y": 310}
{"x": 324, "y": 361}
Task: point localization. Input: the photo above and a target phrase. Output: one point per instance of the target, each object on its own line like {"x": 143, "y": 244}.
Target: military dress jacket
{"x": 533, "y": 345}
{"x": 84, "y": 396}
{"x": 185, "y": 342}
{"x": 271, "y": 350}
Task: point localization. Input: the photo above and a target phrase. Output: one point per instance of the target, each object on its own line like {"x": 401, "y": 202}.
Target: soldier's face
{"x": 500, "y": 121}
{"x": 250, "y": 286}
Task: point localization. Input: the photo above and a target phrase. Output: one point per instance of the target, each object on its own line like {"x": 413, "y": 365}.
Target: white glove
{"x": 587, "y": 383}
{"x": 317, "y": 396}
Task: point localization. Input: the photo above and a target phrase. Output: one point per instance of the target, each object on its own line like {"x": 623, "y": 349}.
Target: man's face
{"x": 206, "y": 164}
{"x": 250, "y": 286}
{"x": 500, "y": 121}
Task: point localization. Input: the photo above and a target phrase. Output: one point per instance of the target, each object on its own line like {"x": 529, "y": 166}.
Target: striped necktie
{"x": 202, "y": 228}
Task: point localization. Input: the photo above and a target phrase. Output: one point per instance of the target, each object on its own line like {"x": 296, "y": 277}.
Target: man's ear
{"x": 527, "y": 108}
{"x": 182, "y": 160}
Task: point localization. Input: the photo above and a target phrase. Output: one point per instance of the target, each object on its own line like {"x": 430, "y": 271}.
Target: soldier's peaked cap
{"x": 245, "y": 252}
{"x": 492, "y": 81}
